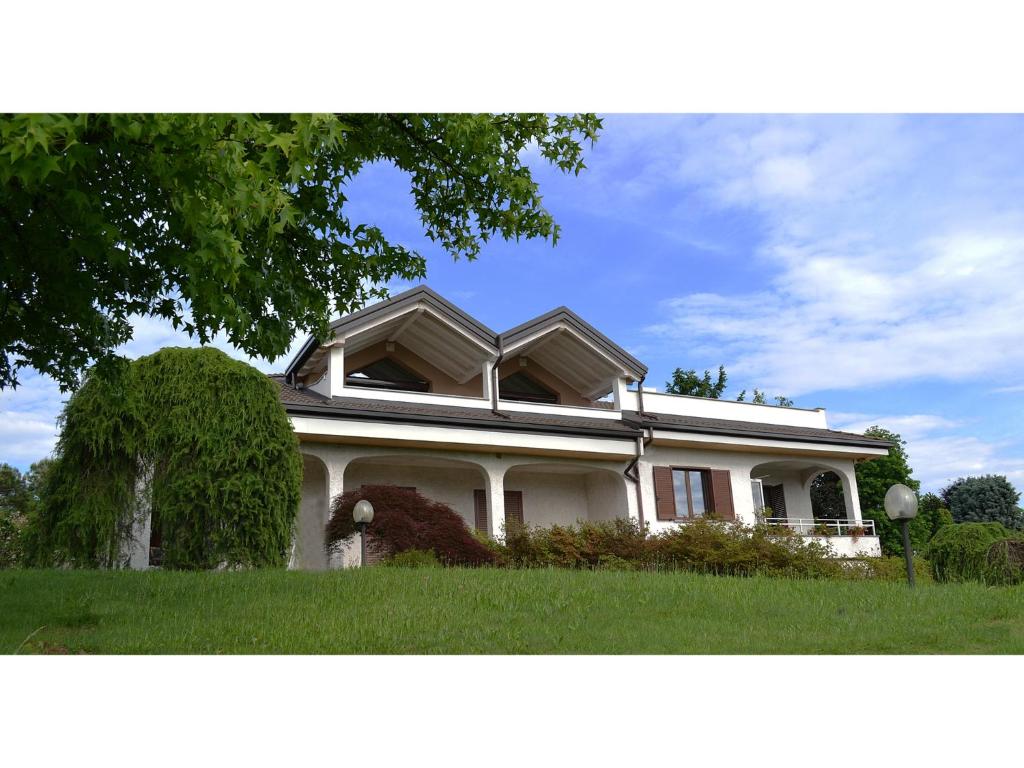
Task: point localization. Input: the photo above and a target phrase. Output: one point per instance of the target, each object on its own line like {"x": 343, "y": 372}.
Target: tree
{"x": 875, "y": 477}
{"x": 689, "y": 383}
{"x": 19, "y": 501}
{"x": 197, "y": 439}
{"x": 827, "y": 499}
{"x": 987, "y": 499}
{"x": 237, "y": 223}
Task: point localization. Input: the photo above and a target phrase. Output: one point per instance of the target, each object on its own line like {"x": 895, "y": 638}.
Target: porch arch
{"x": 555, "y": 493}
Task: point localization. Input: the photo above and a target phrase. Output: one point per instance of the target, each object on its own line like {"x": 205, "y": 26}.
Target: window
{"x": 522, "y": 387}
{"x": 690, "y": 488}
{"x": 387, "y": 374}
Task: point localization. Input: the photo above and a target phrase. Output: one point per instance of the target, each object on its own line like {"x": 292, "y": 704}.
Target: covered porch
{"x": 817, "y": 500}
{"x": 488, "y": 491}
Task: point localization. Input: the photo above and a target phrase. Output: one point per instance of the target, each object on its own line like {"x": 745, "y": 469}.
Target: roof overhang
{"x": 573, "y": 350}
{"x": 422, "y": 321}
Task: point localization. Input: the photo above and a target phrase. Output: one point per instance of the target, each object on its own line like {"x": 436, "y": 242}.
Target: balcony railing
{"x": 820, "y": 527}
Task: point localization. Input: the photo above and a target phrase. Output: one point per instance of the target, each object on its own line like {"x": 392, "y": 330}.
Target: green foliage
{"x": 827, "y": 500}
{"x": 584, "y": 545}
{"x": 874, "y": 478}
{"x": 736, "y": 550}
{"x": 201, "y": 436}
{"x": 414, "y": 558}
{"x": 19, "y": 503}
{"x": 987, "y": 499}
{"x": 888, "y": 569}
{"x": 702, "y": 545}
{"x": 975, "y": 552}
{"x": 237, "y": 223}
{"x": 689, "y": 383}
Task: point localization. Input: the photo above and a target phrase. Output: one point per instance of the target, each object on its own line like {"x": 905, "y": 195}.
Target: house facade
{"x": 545, "y": 423}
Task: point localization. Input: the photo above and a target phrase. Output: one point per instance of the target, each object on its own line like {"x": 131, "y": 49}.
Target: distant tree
{"x": 19, "y": 502}
{"x": 986, "y": 499}
{"x": 240, "y": 223}
{"x": 932, "y": 514}
{"x": 689, "y": 383}
{"x": 875, "y": 477}
{"x": 827, "y": 499}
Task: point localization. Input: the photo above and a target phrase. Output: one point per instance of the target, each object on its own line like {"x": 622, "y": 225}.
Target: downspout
{"x": 631, "y": 471}
{"x": 494, "y": 378}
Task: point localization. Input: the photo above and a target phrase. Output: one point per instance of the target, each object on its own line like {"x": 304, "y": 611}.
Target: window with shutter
{"x": 721, "y": 494}
{"x": 664, "y": 496}
{"x": 480, "y": 509}
{"x": 685, "y": 493}
{"x": 513, "y": 508}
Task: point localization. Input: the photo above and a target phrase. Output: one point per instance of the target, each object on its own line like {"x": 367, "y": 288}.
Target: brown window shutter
{"x": 480, "y": 509}
{"x": 664, "y": 493}
{"x": 721, "y": 494}
{"x": 513, "y": 507}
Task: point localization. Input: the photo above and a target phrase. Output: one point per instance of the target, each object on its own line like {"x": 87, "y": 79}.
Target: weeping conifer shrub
{"x": 982, "y": 552}
{"x": 200, "y": 437}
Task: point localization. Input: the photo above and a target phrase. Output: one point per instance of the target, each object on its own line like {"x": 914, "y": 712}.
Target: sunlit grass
{"x": 390, "y": 610}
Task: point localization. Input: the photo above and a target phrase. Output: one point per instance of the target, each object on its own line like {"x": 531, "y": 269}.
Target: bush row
{"x": 982, "y": 552}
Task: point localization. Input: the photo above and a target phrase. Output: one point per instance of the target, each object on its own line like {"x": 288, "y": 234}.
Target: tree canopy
{"x": 238, "y": 223}
{"x": 986, "y": 499}
{"x": 689, "y": 383}
{"x": 197, "y": 439}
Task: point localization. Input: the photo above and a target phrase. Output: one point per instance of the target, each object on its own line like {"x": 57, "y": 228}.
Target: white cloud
{"x": 938, "y": 455}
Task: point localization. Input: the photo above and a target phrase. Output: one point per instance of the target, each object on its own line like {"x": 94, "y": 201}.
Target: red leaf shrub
{"x": 404, "y": 520}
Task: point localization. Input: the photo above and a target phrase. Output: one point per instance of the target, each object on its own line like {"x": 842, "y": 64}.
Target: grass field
{"x": 390, "y": 610}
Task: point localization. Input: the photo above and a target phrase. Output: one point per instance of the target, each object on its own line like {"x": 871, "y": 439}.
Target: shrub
{"x": 975, "y": 552}
{"x": 201, "y": 437}
{"x": 404, "y": 520}
{"x": 738, "y": 550}
{"x": 577, "y": 546}
{"x": 988, "y": 499}
{"x": 414, "y": 558}
{"x": 887, "y": 569}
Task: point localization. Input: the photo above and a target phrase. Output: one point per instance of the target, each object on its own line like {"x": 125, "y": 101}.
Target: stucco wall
{"x": 451, "y": 486}
{"x": 566, "y": 394}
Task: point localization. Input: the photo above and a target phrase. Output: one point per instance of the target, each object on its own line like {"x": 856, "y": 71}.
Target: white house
{"x": 547, "y": 422}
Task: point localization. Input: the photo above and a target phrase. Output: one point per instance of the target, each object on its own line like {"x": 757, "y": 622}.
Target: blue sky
{"x": 872, "y": 265}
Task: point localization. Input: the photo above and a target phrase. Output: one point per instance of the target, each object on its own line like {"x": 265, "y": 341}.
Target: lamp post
{"x": 901, "y": 507}
{"x": 362, "y": 514}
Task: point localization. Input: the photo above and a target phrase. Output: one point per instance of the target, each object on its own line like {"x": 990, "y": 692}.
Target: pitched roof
{"x": 701, "y": 425}
{"x": 421, "y": 294}
{"x": 565, "y": 315}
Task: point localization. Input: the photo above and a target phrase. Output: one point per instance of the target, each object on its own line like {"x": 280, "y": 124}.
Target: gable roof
{"x": 424, "y": 296}
{"x": 420, "y": 295}
{"x": 563, "y": 316}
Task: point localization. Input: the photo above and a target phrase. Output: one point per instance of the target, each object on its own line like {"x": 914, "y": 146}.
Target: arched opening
{"x": 449, "y": 481}
{"x": 562, "y": 494}
{"x": 828, "y": 501}
{"x": 313, "y": 511}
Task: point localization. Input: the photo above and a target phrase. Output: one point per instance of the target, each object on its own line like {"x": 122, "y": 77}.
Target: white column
{"x": 495, "y": 501}
{"x": 335, "y": 486}
{"x": 487, "y": 374}
{"x": 336, "y": 370}
{"x": 849, "y": 480}
{"x": 620, "y": 394}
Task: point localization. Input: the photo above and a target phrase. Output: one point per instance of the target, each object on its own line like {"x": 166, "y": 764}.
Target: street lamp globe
{"x": 900, "y": 503}
{"x": 362, "y": 512}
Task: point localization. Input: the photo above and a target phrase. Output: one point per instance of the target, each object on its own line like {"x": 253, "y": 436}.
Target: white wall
{"x": 451, "y": 486}
{"x": 550, "y": 499}
{"x": 684, "y": 405}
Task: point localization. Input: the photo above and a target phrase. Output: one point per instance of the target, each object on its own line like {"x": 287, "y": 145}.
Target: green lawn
{"x": 390, "y": 610}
